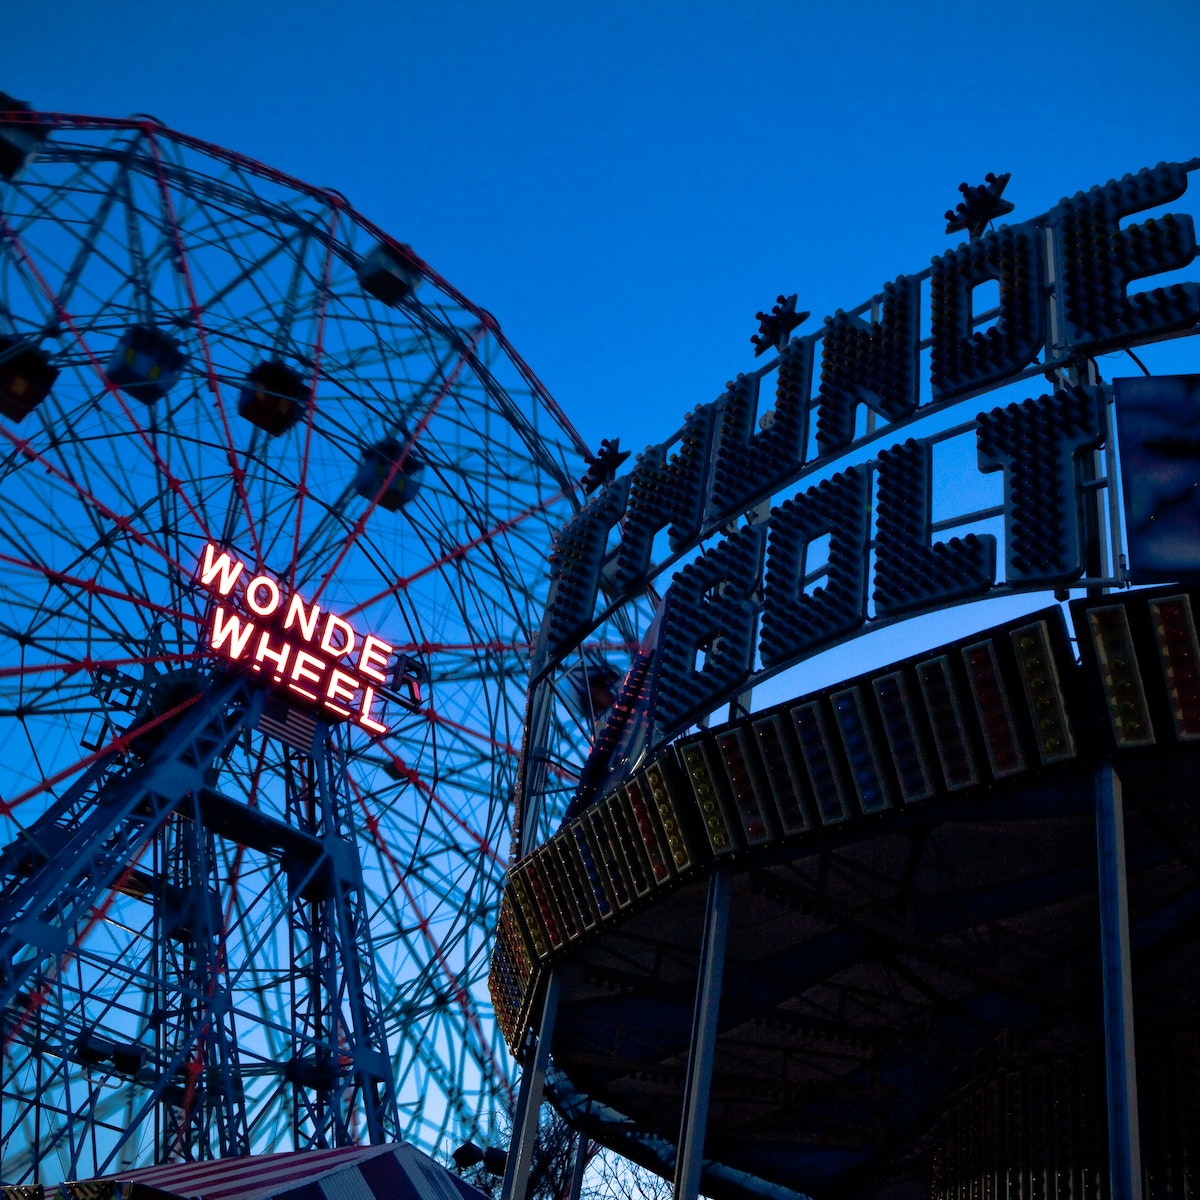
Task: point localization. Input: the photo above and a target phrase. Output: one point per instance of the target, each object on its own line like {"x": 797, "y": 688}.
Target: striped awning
{"x": 391, "y": 1172}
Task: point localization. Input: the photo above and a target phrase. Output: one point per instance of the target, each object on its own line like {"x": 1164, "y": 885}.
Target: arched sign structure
{"x": 834, "y": 446}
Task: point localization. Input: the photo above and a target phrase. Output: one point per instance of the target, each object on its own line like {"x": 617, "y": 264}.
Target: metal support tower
{"x": 141, "y": 826}
{"x": 195, "y": 1030}
{"x": 341, "y": 1071}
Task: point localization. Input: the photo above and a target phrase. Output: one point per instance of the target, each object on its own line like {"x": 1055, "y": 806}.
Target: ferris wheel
{"x": 275, "y": 501}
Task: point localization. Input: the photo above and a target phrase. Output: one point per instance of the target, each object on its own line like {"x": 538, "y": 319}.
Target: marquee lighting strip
{"x": 997, "y": 707}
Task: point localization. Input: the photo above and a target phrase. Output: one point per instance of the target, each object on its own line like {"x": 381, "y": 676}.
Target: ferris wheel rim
{"x": 153, "y": 127}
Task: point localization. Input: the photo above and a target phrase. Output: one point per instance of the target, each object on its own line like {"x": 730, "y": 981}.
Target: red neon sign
{"x": 317, "y": 655}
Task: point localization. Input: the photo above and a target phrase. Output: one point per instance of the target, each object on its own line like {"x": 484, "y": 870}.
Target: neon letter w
{"x": 228, "y": 569}
{"x": 227, "y": 627}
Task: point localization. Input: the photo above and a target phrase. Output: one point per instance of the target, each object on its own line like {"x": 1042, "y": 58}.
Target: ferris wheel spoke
{"x": 63, "y": 316}
{"x": 335, "y": 526}
{"x": 60, "y": 670}
{"x": 197, "y": 315}
{"x": 457, "y": 552}
{"x": 479, "y": 735}
{"x": 426, "y": 789}
{"x": 123, "y": 523}
{"x": 461, "y": 996}
{"x": 35, "y": 757}
{"x": 361, "y": 523}
{"x": 100, "y": 183}
{"x": 318, "y": 351}
{"x": 71, "y": 586}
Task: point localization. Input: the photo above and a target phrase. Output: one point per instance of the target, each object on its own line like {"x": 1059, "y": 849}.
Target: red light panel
{"x": 736, "y": 752}
{"x": 653, "y": 844}
{"x": 1175, "y": 632}
{"x": 539, "y": 889}
{"x": 533, "y": 921}
{"x": 995, "y": 715}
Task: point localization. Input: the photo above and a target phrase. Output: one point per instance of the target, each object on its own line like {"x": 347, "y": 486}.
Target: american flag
{"x": 289, "y": 724}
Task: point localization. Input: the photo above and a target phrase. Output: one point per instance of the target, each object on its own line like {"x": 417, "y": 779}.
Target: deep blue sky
{"x": 625, "y": 184}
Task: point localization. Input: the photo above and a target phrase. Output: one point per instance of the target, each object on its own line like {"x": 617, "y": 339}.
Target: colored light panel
{"x": 775, "y": 748}
{"x": 1043, "y": 693}
{"x": 945, "y": 717}
{"x": 859, "y": 744}
{"x": 589, "y": 856}
{"x": 712, "y": 815}
{"x": 891, "y": 694}
{"x": 1120, "y": 676}
{"x": 668, "y": 813}
{"x": 995, "y": 714}
{"x": 575, "y": 875}
{"x": 653, "y": 845}
{"x": 518, "y": 947}
{"x": 735, "y": 749}
{"x": 814, "y": 746}
{"x": 558, "y": 893}
{"x": 539, "y": 889}
{"x": 1175, "y": 632}
{"x": 629, "y": 843}
{"x": 529, "y": 912}
{"x": 608, "y": 859}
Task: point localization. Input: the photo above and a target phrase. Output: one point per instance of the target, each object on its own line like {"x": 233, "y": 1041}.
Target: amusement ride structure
{"x": 275, "y": 501}
{"x": 931, "y": 930}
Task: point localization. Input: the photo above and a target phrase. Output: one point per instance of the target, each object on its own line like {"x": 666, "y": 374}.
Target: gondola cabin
{"x": 392, "y": 467}
{"x": 274, "y": 397}
{"x": 146, "y": 363}
{"x": 26, "y": 377}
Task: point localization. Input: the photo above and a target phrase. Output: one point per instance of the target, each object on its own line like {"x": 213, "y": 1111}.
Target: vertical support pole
{"x": 1124, "y": 1147}
{"x": 529, "y": 1098}
{"x": 581, "y": 1159}
{"x": 1112, "y": 494}
{"x": 704, "y": 1036}
{"x": 1054, "y": 308}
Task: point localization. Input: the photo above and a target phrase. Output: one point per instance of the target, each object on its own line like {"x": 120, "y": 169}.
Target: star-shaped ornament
{"x": 602, "y": 466}
{"x": 775, "y": 327}
{"x": 979, "y": 205}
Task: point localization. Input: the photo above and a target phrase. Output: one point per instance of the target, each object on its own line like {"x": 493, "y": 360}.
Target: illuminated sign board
{"x": 317, "y": 656}
{"x": 748, "y": 605}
